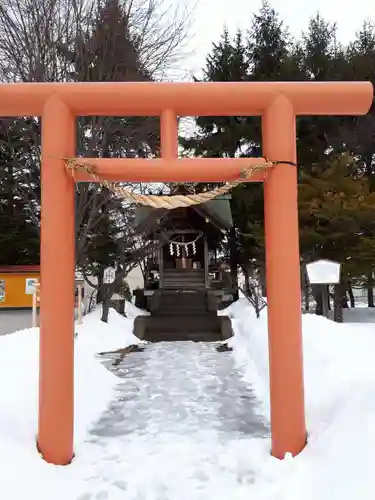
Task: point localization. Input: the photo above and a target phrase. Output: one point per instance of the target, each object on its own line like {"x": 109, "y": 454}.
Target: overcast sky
{"x": 210, "y": 17}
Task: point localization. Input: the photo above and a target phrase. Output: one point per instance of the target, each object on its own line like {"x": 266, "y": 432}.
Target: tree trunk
{"x": 106, "y": 303}
{"x": 370, "y": 289}
{"x": 317, "y": 293}
{"x": 305, "y": 288}
{"x": 247, "y": 280}
{"x": 344, "y": 299}
{"x": 338, "y": 303}
{"x": 306, "y": 297}
{"x": 234, "y": 262}
{"x": 250, "y": 291}
{"x": 234, "y": 280}
{"x": 123, "y": 308}
{"x": 325, "y": 300}
{"x": 109, "y": 290}
{"x": 105, "y": 311}
{"x": 262, "y": 278}
{"x": 100, "y": 295}
{"x": 351, "y": 295}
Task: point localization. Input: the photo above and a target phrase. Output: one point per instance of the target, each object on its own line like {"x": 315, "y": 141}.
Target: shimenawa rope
{"x": 173, "y": 201}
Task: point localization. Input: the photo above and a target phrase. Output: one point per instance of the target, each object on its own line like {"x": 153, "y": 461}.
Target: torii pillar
{"x": 283, "y": 280}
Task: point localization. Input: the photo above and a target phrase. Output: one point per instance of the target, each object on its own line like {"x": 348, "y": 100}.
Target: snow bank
{"x": 23, "y": 473}
{"x": 107, "y": 337}
{"x": 339, "y": 373}
{"x": 132, "y": 311}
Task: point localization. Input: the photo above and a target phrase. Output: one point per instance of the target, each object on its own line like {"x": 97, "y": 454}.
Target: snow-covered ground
{"x": 340, "y": 405}
{"x": 184, "y": 424}
{"x": 170, "y": 423}
{"x": 24, "y": 474}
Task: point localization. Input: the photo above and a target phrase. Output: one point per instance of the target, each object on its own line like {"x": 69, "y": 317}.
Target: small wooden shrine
{"x": 187, "y": 245}
{"x": 186, "y": 259}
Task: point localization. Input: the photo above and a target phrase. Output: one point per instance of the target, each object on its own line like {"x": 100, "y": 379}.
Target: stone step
{"x": 186, "y": 298}
{"x": 185, "y": 286}
{"x": 183, "y": 337}
{"x": 172, "y": 303}
{"x": 184, "y": 323}
{"x": 193, "y": 276}
{"x": 183, "y": 312}
{"x": 184, "y": 271}
{"x": 189, "y": 304}
{"x": 183, "y": 301}
{"x": 184, "y": 293}
{"x": 179, "y": 303}
{"x": 198, "y": 327}
{"x": 182, "y": 283}
{"x": 184, "y": 305}
{"x": 182, "y": 277}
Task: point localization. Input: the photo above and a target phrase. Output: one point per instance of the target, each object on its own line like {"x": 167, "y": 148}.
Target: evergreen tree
{"x": 336, "y": 206}
{"x": 341, "y": 227}
{"x": 260, "y": 55}
{"x": 358, "y": 132}
{"x": 19, "y": 234}
{"x": 323, "y": 55}
{"x": 221, "y": 136}
{"x": 268, "y": 46}
{"x": 322, "y": 58}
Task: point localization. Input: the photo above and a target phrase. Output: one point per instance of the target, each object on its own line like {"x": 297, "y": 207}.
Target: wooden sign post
{"x": 323, "y": 273}
{"x": 36, "y": 300}
{"x": 79, "y": 304}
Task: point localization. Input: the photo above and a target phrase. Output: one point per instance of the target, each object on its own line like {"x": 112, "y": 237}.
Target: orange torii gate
{"x": 278, "y": 103}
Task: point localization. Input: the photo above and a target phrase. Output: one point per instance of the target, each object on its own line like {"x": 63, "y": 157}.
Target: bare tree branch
{"x": 89, "y": 40}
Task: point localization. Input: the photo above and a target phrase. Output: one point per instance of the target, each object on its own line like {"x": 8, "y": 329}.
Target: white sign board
{"x": 2, "y": 290}
{"x": 323, "y": 272}
{"x": 109, "y": 275}
{"x": 30, "y": 286}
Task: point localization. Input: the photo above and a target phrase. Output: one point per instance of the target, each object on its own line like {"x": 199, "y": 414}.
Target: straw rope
{"x": 181, "y": 243}
{"x": 172, "y": 201}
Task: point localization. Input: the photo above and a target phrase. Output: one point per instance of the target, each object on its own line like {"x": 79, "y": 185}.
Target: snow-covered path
{"x": 184, "y": 425}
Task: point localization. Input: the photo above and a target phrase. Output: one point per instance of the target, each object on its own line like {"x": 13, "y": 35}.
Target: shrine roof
{"x": 217, "y": 210}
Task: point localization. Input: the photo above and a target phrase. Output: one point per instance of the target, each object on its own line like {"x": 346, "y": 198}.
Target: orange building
{"x": 17, "y": 285}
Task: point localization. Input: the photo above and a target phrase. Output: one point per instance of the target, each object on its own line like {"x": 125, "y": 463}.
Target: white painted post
{"x": 34, "y": 306}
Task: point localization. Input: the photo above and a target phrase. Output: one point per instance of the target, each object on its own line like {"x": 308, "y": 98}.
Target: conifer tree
{"x": 268, "y": 46}
{"x": 336, "y": 206}
{"x": 221, "y": 136}
{"x": 261, "y": 54}
{"x": 322, "y": 58}
{"x": 358, "y": 132}
{"x": 19, "y": 231}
